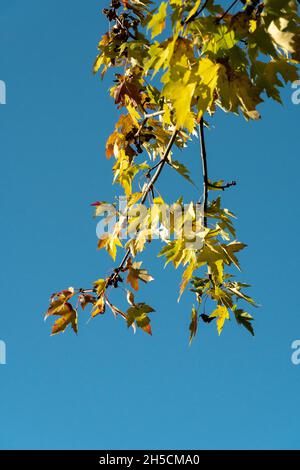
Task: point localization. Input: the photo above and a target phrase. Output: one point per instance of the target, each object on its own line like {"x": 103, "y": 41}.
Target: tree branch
{"x": 204, "y": 169}
{"x": 205, "y": 181}
{"x": 144, "y": 121}
{"x": 218, "y": 20}
{"x": 113, "y": 277}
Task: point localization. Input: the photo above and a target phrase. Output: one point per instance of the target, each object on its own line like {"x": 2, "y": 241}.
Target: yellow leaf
{"x": 194, "y": 9}
{"x": 110, "y": 242}
{"x": 100, "y": 286}
{"x": 186, "y": 277}
{"x": 217, "y": 271}
{"x": 134, "y": 114}
{"x": 99, "y": 307}
{"x": 112, "y": 246}
{"x": 98, "y": 63}
{"x": 159, "y": 57}
{"x": 68, "y": 318}
{"x": 208, "y": 73}
{"x": 181, "y": 96}
{"x": 221, "y": 314}
{"x": 253, "y": 26}
{"x": 158, "y": 21}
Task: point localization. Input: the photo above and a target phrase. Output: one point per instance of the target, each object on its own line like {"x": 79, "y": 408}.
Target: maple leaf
{"x": 110, "y": 242}
{"x": 182, "y": 170}
{"x": 186, "y": 277}
{"x": 235, "y": 288}
{"x": 193, "y": 10}
{"x": 208, "y": 73}
{"x": 86, "y": 299}
{"x": 135, "y": 273}
{"x": 208, "y": 57}
{"x": 99, "y": 307}
{"x": 100, "y": 286}
{"x": 63, "y": 322}
{"x": 158, "y": 20}
{"x": 67, "y": 316}
{"x": 138, "y": 314}
{"x": 221, "y": 314}
{"x": 193, "y": 325}
{"x": 62, "y": 296}
{"x": 181, "y": 96}
{"x": 288, "y": 40}
{"x": 127, "y": 87}
{"x": 244, "y": 319}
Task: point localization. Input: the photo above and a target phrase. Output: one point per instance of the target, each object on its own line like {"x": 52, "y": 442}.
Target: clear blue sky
{"x": 107, "y": 388}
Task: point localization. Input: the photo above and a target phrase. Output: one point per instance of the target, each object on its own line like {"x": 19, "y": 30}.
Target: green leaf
{"x": 182, "y": 170}
{"x": 244, "y": 319}
{"x": 138, "y": 314}
{"x": 222, "y": 40}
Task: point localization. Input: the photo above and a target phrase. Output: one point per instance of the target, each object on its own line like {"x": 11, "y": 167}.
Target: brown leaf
{"x": 193, "y": 325}
{"x": 127, "y": 88}
{"x": 68, "y": 318}
{"x": 135, "y": 273}
{"x": 86, "y": 299}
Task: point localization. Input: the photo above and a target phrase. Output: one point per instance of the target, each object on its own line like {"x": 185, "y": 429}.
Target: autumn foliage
{"x": 174, "y": 63}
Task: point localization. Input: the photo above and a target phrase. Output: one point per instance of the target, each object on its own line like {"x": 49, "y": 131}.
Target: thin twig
{"x": 218, "y": 20}
{"x": 157, "y": 113}
{"x": 160, "y": 166}
{"x": 204, "y": 169}
{"x": 222, "y": 187}
{"x": 144, "y": 121}
{"x": 205, "y": 180}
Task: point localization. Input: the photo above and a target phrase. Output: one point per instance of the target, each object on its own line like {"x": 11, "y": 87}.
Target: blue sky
{"x": 108, "y": 389}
